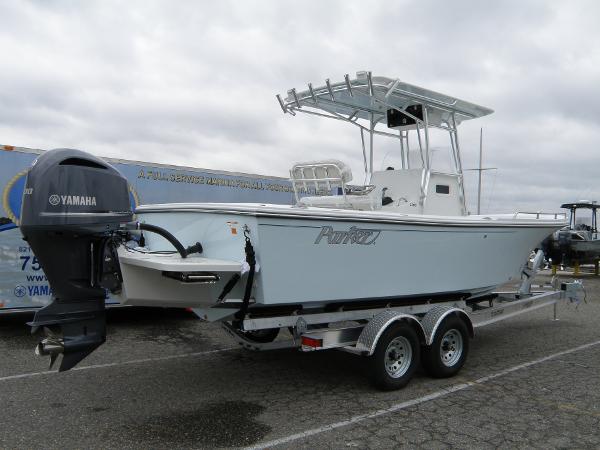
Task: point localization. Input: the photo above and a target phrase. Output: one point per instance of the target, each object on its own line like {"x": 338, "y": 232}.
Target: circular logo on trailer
{"x": 20, "y": 291}
{"x": 54, "y": 199}
{"x": 13, "y": 196}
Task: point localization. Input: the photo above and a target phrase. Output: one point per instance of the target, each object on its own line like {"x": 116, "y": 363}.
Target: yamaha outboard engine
{"x": 73, "y": 204}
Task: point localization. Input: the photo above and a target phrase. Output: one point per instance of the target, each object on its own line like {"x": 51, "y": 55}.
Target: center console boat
{"x": 401, "y": 237}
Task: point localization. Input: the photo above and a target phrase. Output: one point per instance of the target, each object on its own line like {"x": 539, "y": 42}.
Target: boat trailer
{"x": 395, "y": 339}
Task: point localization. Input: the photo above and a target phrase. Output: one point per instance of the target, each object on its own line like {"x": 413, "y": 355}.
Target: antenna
{"x": 480, "y": 170}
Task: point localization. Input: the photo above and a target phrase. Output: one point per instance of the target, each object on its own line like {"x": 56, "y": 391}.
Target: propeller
{"x": 52, "y": 345}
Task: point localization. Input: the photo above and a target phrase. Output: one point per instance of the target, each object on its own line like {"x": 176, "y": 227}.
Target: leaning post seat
{"x": 320, "y": 177}
{"x": 323, "y": 177}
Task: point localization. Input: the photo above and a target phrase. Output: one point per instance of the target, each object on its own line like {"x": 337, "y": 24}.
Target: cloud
{"x": 193, "y": 83}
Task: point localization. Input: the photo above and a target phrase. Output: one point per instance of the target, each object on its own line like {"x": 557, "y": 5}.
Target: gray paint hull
{"x": 315, "y": 259}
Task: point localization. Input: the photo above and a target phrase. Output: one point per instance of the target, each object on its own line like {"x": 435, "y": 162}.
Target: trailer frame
{"x": 443, "y": 329}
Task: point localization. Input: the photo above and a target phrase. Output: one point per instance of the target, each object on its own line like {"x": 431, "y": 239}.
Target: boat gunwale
{"x": 291, "y": 212}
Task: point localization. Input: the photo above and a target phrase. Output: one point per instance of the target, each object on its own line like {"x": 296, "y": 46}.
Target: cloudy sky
{"x": 193, "y": 83}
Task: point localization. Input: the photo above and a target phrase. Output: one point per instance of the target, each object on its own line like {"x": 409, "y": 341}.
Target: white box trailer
{"x": 23, "y": 285}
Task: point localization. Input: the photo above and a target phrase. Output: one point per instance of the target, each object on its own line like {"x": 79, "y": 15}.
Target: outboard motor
{"x": 73, "y": 204}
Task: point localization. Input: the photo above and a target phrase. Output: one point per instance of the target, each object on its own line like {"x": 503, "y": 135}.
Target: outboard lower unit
{"x": 73, "y": 204}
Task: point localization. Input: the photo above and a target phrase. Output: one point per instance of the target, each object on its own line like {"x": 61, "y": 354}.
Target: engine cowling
{"x": 73, "y": 203}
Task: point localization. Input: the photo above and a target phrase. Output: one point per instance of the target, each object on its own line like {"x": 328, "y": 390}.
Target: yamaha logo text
{"x": 72, "y": 200}
{"x": 354, "y": 235}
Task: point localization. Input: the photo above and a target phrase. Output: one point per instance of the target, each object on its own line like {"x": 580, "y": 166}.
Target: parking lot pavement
{"x": 164, "y": 379}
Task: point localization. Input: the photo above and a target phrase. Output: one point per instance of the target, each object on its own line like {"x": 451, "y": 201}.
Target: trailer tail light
{"x": 311, "y": 342}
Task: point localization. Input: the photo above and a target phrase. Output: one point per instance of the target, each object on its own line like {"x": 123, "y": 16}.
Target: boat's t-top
{"x": 381, "y": 106}
{"x": 583, "y": 204}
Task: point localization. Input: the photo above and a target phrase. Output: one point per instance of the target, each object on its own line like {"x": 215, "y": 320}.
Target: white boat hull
{"x": 315, "y": 257}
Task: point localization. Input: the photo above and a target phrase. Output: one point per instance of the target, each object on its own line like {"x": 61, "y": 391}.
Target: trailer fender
{"x": 434, "y": 318}
{"x": 367, "y": 341}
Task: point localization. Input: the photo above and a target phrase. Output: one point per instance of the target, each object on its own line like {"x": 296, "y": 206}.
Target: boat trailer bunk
{"x": 396, "y": 339}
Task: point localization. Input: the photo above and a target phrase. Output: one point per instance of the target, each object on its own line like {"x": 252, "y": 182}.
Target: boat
{"x": 402, "y": 237}
{"x": 577, "y": 243}
{"x": 366, "y": 243}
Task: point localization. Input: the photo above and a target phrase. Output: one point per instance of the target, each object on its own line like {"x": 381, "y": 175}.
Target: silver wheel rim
{"x": 451, "y": 348}
{"x": 398, "y": 356}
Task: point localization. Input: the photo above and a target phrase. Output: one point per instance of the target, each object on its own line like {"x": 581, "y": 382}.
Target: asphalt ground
{"x": 165, "y": 379}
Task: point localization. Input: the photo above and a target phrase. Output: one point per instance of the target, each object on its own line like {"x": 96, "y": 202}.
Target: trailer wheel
{"x": 448, "y": 352}
{"x": 262, "y": 336}
{"x": 396, "y": 357}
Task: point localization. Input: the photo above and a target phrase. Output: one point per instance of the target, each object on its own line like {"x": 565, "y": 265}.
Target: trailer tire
{"x": 448, "y": 351}
{"x": 396, "y": 357}
{"x": 262, "y": 336}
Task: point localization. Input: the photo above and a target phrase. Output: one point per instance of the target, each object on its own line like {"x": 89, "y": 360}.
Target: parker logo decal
{"x": 354, "y": 235}
{"x": 74, "y": 200}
